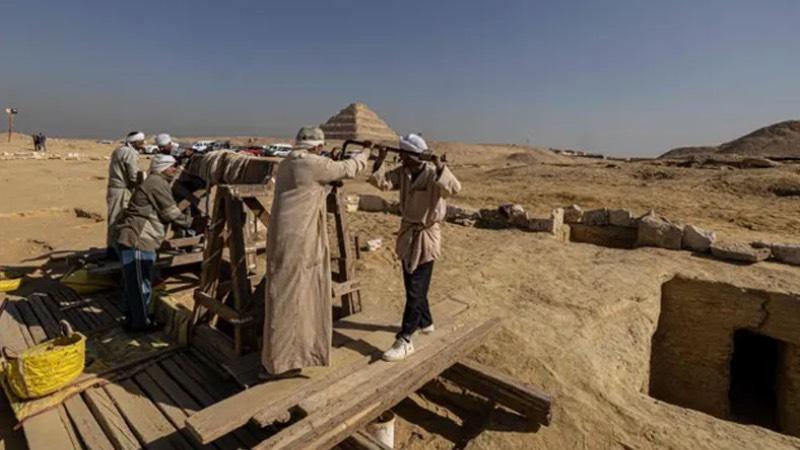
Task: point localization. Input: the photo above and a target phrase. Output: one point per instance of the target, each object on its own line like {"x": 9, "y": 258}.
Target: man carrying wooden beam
{"x": 298, "y": 317}
{"x": 423, "y": 188}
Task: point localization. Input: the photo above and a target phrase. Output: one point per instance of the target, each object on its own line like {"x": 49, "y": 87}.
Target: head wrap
{"x": 163, "y": 140}
{"x": 161, "y": 162}
{"x": 134, "y": 136}
{"x": 309, "y": 137}
{"x": 413, "y": 143}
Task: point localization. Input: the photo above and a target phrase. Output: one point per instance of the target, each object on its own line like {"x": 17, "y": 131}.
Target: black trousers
{"x": 417, "y": 313}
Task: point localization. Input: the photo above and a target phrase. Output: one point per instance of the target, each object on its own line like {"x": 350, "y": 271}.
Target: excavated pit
{"x": 730, "y": 352}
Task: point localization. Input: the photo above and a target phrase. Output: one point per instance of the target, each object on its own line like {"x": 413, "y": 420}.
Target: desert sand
{"x": 577, "y": 318}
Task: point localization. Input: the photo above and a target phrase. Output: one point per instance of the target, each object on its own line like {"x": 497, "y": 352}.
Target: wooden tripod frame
{"x": 229, "y": 293}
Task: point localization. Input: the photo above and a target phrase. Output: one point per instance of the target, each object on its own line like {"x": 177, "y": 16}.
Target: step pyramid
{"x": 358, "y": 122}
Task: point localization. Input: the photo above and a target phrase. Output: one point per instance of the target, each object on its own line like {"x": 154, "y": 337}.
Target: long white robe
{"x": 298, "y": 318}
{"x": 122, "y": 172}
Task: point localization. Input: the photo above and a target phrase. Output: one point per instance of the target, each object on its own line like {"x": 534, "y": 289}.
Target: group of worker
{"x": 298, "y": 312}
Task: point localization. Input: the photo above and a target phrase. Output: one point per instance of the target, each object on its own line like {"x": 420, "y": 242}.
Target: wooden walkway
{"x": 185, "y": 400}
{"x": 146, "y": 408}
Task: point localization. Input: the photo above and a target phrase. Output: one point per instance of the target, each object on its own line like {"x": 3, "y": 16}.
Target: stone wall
{"x": 693, "y": 344}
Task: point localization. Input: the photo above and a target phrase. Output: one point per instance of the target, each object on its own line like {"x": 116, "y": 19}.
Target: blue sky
{"x": 625, "y": 77}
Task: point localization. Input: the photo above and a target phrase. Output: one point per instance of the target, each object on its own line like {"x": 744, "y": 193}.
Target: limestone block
{"x": 697, "y": 239}
{"x": 573, "y": 214}
{"x": 596, "y": 217}
{"x": 654, "y": 231}
{"x": 737, "y": 251}
{"x": 785, "y": 253}
{"x": 537, "y": 224}
{"x": 372, "y": 203}
{"x": 621, "y": 218}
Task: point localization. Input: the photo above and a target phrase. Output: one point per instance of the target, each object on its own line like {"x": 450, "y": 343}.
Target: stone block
{"x": 621, "y": 218}
{"x": 737, "y": 251}
{"x": 573, "y": 214}
{"x": 654, "y": 231}
{"x": 697, "y": 239}
{"x": 596, "y": 217}
{"x": 372, "y": 203}
{"x": 785, "y": 253}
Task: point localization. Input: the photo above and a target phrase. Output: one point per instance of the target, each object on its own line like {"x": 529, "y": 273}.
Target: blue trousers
{"x": 417, "y": 313}
{"x": 137, "y": 282}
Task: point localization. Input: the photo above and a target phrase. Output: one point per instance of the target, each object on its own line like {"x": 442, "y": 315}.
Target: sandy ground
{"x": 577, "y": 318}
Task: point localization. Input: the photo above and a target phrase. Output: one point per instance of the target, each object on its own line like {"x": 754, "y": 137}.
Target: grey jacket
{"x": 142, "y": 225}
{"x": 123, "y": 167}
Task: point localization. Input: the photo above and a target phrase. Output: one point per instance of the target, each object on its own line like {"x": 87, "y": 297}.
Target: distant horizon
{"x": 618, "y": 77}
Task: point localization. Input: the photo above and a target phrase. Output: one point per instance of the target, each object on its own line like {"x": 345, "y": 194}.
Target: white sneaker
{"x": 400, "y": 350}
{"x": 427, "y": 330}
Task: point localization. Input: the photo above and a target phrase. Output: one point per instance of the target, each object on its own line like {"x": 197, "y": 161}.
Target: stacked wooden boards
{"x": 338, "y": 400}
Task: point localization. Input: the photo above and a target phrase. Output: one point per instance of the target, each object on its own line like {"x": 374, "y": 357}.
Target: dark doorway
{"x": 754, "y": 376}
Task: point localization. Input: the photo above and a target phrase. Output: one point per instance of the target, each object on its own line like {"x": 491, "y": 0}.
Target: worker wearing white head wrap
{"x": 297, "y": 319}
{"x": 164, "y": 143}
{"x": 123, "y": 169}
{"x": 423, "y": 188}
{"x": 161, "y": 163}
{"x": 413, "y": 143}
{"x": 141, "y": 230}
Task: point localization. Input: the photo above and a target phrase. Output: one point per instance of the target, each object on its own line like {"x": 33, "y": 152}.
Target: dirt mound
{"x": 781, "y": 139}
{"x": 685, "y": 152}
{"x": 778, "y": 140}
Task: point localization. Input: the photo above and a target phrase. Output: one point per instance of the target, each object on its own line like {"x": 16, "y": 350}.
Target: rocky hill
{"x": 780, "y": 139}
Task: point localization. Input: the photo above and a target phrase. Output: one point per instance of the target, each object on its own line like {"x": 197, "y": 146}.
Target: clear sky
{"x": 625, "y": 77}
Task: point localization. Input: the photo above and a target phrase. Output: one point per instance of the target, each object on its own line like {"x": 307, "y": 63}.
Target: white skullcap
{"x": 309, "y": 137}
{"x": 161, "y": 162}
{"x": 135, "y": 136}
{"x": 413, "y": 143}
{"x": 163, "y": 140}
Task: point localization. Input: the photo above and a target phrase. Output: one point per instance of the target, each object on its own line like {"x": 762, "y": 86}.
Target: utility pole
{"x": 11, "y": 112}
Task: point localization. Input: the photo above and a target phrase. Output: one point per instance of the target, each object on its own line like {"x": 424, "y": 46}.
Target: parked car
{"x": 279, "y": 150}
{"x": 150, "y": 149}
{"x": 201, "y": 146}
{"x": 254, "y": 150}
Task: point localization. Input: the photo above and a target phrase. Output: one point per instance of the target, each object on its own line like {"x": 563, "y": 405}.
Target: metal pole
{"x": 10, "y": 125}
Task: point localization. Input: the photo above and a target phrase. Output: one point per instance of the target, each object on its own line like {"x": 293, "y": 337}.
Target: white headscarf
{"x": 136, "y": 136}
{"x": 163, "y": 140}
{"x": 161, "y": 162}
{"x": 413, "y": 143}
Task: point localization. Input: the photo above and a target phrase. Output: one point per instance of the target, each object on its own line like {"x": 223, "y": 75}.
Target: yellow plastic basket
{"x": 46, "y": 367}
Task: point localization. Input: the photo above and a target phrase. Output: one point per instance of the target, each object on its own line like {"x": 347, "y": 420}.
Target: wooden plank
{"x": 175, "y": 402}
{"x": 240, "y": 283}
{"x": 234, "y": 412}
{"x": 73, "y": 435}
{"x": 145, "y": 419}
{"x": 35, "y": 328}
{"x": 503, "y": 389}
{"x": 165, "y": 261}
{"x": 224, "y": 311}
{"x": 261, "y": 212}
{"x": 90, "y": 431}
{"x": 110, "y": 419}
{"x": 11, "y": 334}
{"x": 47, "y": 431}
{"x": 50, "y": 324}
{"x": 361, "y": 440}
{"x": 352, "y": 403}
{"x": 205, "y": 388}
{"x": 344, "y": 288}
{"x": 240, "y": 191}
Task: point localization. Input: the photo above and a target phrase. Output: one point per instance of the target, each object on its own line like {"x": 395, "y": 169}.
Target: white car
{"x": 150, "y": 149}
{"x": 201, "y": 146}
{"x": 279, "y": 150}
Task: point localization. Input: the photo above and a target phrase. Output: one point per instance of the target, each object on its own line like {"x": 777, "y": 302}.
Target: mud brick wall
{"x": 693, "y": 344}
